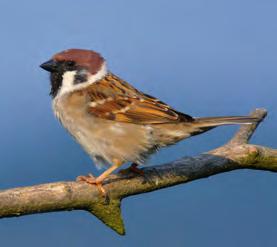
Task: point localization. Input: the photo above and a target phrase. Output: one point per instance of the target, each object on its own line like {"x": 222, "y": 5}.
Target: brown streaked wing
{"x": 114, "y": 99}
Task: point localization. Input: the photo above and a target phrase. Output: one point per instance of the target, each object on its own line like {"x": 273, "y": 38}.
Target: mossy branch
{"x": 236, "y": 154}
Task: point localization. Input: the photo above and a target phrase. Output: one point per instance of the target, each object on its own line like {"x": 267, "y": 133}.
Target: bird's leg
{"x": 132, "y": 168}
{"x": 90, "y": 179}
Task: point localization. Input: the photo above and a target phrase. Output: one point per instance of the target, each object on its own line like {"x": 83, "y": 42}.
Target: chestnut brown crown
{"x": 90, "y": 60}
{"x": 74, "y": 59}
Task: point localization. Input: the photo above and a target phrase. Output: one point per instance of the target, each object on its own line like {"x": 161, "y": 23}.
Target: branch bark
{"x": 236, "y": 154}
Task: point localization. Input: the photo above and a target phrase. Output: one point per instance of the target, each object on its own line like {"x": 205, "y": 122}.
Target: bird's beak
{"x": 50, "y": 66}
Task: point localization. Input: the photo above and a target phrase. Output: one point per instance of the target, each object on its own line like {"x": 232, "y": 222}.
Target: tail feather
{"x": 197, "y": 126}
{"x": 207, "y": 122}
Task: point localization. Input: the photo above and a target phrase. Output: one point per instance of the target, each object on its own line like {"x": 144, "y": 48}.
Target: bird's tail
{"x": 210, "y": 122}
{"x": 200, "y": 125}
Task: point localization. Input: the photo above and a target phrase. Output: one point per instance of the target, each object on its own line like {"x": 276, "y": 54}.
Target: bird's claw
{"x": 90, "y": 179}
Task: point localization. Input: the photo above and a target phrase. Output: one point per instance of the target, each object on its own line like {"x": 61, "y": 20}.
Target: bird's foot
{"x": 132, "y": 168}
{"x": 90, "y": 179}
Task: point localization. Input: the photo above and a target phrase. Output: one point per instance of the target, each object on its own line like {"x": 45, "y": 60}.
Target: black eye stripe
{"x": 70, "y": 63}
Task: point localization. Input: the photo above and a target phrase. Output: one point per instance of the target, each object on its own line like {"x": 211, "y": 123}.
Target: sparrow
{"x": 114, "y": 122}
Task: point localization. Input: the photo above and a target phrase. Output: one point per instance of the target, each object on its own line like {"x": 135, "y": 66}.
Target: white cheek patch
{"x": 69, "y": 78}
{"x": 68, "y": 82}
{"x": 99, "y": 75}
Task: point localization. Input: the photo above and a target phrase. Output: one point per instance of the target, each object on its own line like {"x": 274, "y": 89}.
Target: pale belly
{"x": 105, "y": 140}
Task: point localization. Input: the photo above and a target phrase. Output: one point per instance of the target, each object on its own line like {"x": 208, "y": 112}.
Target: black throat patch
{"x": 56, "y": 79}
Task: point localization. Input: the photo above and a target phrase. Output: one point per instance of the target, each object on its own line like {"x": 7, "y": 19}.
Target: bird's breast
{"x": 72, "y": 114}
{"x": 100, "y": 137}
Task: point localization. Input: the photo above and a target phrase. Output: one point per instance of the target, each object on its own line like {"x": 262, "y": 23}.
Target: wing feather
{"x": 114, "y": 99}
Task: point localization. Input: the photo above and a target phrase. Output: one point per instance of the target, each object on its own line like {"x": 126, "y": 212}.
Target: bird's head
{"x": 74, "y": 69}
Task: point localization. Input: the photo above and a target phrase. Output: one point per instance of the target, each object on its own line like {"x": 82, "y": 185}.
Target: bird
{"x": 114, "y": 122}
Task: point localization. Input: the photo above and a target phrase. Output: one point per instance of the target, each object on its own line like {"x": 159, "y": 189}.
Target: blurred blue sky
{"x": 205, "y": 58}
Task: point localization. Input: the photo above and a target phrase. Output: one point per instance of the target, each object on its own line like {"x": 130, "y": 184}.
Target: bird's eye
{"x": 70, "y": 63}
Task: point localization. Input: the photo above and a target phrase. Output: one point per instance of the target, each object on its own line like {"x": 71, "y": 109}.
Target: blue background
{"x": 205, "y": 58}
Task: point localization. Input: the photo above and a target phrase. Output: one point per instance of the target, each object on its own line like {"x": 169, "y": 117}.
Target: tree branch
{"x": 246, "y": 131}
{"x": 236, "y": 154}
